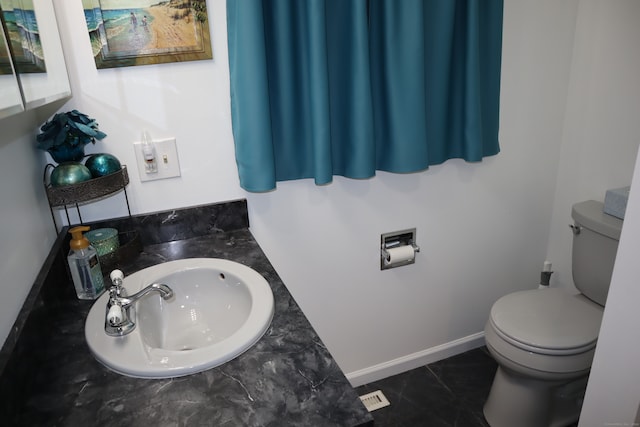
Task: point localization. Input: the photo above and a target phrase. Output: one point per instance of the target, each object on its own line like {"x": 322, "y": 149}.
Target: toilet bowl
{"x": 536, "y": 366}
{"x": 544, "y": 339}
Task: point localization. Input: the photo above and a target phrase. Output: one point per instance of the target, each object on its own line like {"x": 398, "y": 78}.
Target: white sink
{"x": 220, "y": 309}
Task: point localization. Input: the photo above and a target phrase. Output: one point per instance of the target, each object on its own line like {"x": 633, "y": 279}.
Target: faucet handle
{"x": 117, "y": 277}
{"x": 114, "y": 315}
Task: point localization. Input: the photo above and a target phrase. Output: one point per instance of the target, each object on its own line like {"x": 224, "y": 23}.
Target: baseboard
{"x": 415, "y": 360}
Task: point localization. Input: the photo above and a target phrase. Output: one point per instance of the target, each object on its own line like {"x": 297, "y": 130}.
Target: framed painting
{"x": 5, "y": 57}
{"x": 23, "y": 35}
{"x": 125, "y": 33}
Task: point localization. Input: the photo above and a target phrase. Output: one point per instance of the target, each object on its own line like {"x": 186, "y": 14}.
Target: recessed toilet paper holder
{"x": 395, "y": 240}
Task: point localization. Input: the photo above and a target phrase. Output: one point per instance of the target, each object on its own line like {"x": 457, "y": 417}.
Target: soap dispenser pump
{"x": 84, "y": 266}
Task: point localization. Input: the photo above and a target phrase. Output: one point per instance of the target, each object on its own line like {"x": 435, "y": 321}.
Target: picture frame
{"x": 5, "y": 56}
{"x": 21, "y": 24}
{"x": 127, "y": 33}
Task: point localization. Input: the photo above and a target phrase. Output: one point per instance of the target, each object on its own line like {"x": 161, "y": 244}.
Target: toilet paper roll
{"x": 400, "y": 254}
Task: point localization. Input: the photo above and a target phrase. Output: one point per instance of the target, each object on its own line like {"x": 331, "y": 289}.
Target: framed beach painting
{"x": 23, "y": 35}
{"x": 124, "y": 33}
{"x": 5, "y": 57}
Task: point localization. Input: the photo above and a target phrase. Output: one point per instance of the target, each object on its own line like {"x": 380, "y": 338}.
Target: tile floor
{"x": 448, "y": 393}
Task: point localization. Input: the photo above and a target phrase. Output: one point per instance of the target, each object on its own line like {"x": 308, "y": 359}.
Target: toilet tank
{"x": 595, "y": 243}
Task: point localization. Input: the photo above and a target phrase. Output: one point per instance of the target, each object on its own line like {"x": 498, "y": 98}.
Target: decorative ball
{"x": 69, "y": 173}
{"x": 102, "y": 164}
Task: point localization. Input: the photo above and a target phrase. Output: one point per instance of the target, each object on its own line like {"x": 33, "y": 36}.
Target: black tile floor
{"x": 447, "y": 393}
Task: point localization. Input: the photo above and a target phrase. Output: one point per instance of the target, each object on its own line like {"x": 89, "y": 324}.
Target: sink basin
{"x": 219, "y": 310}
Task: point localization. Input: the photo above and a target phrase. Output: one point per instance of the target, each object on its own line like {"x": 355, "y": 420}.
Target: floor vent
{"x": 375, "y": 400}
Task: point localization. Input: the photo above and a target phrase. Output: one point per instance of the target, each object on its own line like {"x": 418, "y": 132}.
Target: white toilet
{"x": 544, "y": 339}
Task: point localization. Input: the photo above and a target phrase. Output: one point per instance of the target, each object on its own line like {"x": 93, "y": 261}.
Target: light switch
{"x": 166, "y": 156}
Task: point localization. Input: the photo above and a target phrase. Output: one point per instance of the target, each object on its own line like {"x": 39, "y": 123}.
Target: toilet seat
{"x": 547, "y": 321}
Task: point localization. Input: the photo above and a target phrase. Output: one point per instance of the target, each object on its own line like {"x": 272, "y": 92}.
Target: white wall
{"x": 601, "y": 136}
{"x": 602, "y": 130}
{"x": 27, "y": 232}
{"x": 189, "y": 101}
{"x": 483, "y": 228}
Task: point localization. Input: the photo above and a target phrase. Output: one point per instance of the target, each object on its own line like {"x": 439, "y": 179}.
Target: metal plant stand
{"x": 84, "y": 192}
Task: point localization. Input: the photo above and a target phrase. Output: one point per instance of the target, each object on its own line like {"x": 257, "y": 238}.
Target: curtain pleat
{"x": 250, "y": 98}
{"x": 399, "y": 91}
{"x": 335, "y": 87}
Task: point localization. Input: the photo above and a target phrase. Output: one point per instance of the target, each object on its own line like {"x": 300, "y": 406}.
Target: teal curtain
{"x": 347, "y": 87}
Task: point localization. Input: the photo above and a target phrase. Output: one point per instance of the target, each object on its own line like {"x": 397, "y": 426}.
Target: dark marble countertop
{"x": 287, "y": 379}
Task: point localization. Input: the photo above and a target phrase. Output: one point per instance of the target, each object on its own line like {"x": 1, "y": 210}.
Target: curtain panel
{"x": 347, "y": 87}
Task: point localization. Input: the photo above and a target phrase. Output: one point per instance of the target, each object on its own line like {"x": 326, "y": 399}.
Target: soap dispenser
{"x": 84, "y": 266}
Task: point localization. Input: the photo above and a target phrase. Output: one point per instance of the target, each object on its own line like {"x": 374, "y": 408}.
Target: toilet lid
{"x": 548, "y": 321}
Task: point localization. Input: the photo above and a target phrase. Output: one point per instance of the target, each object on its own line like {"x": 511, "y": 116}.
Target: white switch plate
{"x": 166, "y": 158}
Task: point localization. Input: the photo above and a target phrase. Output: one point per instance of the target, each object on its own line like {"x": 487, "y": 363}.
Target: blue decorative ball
{"x": 69, "y": 173}
{"x": 102, "y": 164}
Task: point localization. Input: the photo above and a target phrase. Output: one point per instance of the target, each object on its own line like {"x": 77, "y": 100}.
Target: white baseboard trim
{"x": 415, "y": 360}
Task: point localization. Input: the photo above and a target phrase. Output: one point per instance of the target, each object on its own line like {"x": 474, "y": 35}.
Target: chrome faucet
{"x": 121, "y": 312}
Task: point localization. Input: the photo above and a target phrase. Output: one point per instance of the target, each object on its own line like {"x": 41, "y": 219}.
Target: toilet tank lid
{"x": 590, "y": 214}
